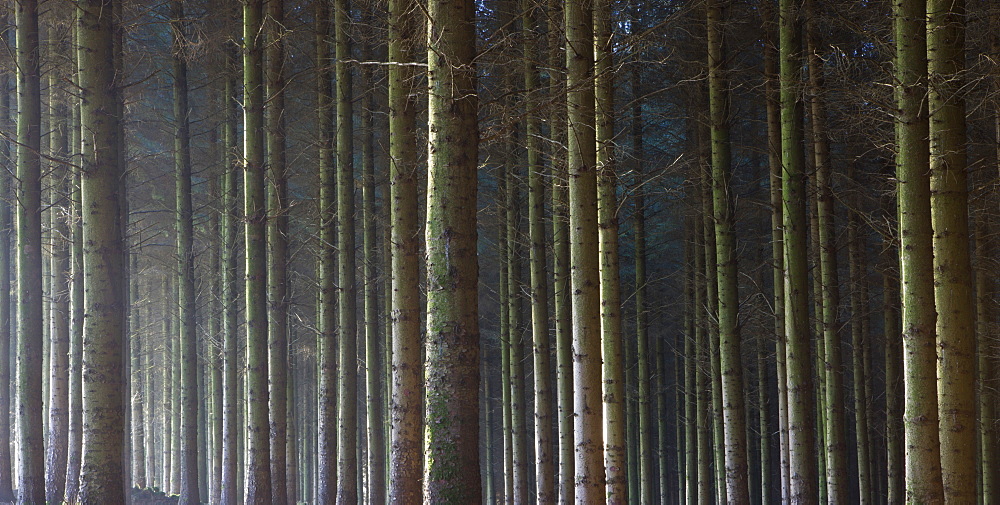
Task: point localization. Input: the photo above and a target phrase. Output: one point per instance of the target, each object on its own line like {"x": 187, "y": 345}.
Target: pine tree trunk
{"x": 544, "y": 456}
{"x": 58, "y": 414}
{"x": 584, "y": 254}
{"x": 258, "y": 479}
{"x": 326, "y": 470}
{"x": 103, "y": 258}
{"x": 615, "y": 419}
{"x": 834, "y": 431}
{"x": 731, "y": 367}
{"x": 859, "y": 340}
{"x": 986, "y": 375}
{"x": 953, "y": 295}
{"x": 691, "y": 377}
{"x": 452, "y": 368}
{"x": 31, "y": 470}
{"x": 893, "y": 385}
{"x": 923, "y": 462}
{"x": 802, "y": 463}
{"x": 561, "y": 297}
{"x": 650, "y": 367}
{"x": 405, "y": 468}
{"x": 277, "y": 285}
{"x": 166, "y": 381}
{"x": 6, "y": 333}
{"x": 231, "y": 430}
{"x": 347, "y": 459}
{"x": 515, "y": 326}
{"x": 185, "y": 268}
{"x": 373, "y": 348}
{"x": 703, "y": 385}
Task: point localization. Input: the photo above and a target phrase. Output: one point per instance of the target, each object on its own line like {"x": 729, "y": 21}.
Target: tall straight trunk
{"x": 231, "y": 430}
{"x": 137, "y": 373}
{"x": 802, "y": 463}
{"x": 405, "y": 469}
{"x": 920, "y": 417}
{"x": 515, "y": 326}
{"x": 58, "y": 414}
{"x": 895, "y": 481}
{"x": 953, "y": 295}
{"x": 544, "y": 456}
{"x": 561, "y": 296}
{"x": 452, "y": 369}
{"x": 277, "y": 278}
{"x": 711, "y": 285}
{"x": 702, "y": 382}
{"x": 326, "y": 488}
{"x": 176, "y": 414}
{"x": 347, "y": 453}
{"x": 507, "y": 405}
{"x": 774, "y": 153}
{"x": 166, "y": 381}
{"x": 75, "y": 438}
{"x": 985, "y": 372}
{"x": 650, "y": 366}
{"x": 691, "y": 354}
{"x": 373, "y": 348}
{"x": 859, "y": 340}
{"x": 215, "y": 350}
{"x": 104, "y": 260}
{"x": 291, "y": 433}
{"x": 731, "y": 368}
{"x": 820, "y": 345}
{"x": 834, "y": 432}
{"x": 258, "y": 478}
{"x": 185, "y": 267}
{"x": 613, "y": 371}
{"x": 584, "y": 253}
{"x": 31, "y": 467}
{"x": 6, "y": 486}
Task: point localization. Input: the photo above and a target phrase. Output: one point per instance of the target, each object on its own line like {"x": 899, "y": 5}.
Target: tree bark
{"x": 405, "y": 469}
{"x": 452, "y": 369}
{"x": 101, "y": 478}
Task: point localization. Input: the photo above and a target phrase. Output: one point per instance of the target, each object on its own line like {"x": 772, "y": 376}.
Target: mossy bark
{"x": 452, "y": 368}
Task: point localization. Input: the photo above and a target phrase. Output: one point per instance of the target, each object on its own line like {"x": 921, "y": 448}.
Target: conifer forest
{"x": 511, "y": 252}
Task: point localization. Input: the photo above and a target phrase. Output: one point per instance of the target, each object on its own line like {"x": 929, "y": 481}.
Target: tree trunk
{"x": 6, "y": 333}
{"x": 544, "y": 456}
{"x": 58, "y": 420}
{"x": 405, "y": 469}
{"x": 802, "y": 463}
{"x": 31, "y": 467}
{"x": 452, "y": 369}
{"x": 731, "y": 367}
{"x": 231, "y": 430}
{"x": 584, "y": 254}
{"x": 373, "y": 348}
{"x": 258, "y": 478}
{"x": 953, "y": 295}
{"x": 347, "y": 460}
{"x": 104, "y": 260}
{"x": 923, "y": 462}
{"x": 277, "y": 285}
{"x": 857, "y": 249}
{"x": 185, "y": 268}
{"x": 326, "y": 470}
{"x": 615, "y": 420}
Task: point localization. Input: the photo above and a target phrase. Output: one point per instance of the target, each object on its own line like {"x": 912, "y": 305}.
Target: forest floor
{"x": 152, "y": 497}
